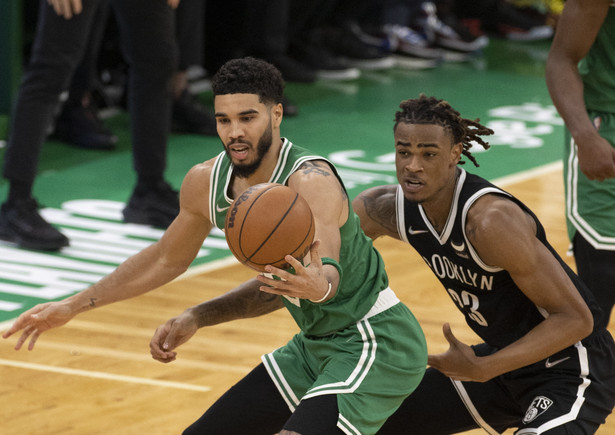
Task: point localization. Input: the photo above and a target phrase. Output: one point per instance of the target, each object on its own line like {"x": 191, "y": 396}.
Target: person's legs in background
{"x": 79, "y": 122}
{"x": 57, "y": 50}
{"x": 189, "y": 115}
{"x": 147, "y": 34}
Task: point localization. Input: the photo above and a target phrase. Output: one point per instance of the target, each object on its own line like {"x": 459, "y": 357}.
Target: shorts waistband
{"x": 386, "y": 299}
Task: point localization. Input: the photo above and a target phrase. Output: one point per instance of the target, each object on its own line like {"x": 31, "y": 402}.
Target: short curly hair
{"x": 249, "y": 75}
{"x": 430, "y": 110}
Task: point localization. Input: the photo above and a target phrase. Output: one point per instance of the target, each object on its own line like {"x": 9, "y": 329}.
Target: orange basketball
{"x": 267, "y": 222}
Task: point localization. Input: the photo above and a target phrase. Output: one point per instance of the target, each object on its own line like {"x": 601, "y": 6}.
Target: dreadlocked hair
{"x": 430, "y": 110}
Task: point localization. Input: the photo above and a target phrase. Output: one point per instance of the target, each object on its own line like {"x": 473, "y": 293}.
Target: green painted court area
{"x": 348, "y": 122}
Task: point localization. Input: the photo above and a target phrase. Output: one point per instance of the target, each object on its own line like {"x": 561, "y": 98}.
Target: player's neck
{"x": 438, "y": 209}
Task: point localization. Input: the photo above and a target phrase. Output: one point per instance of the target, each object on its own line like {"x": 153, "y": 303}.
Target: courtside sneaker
{"x": 407, "y": 41}
{"x": 518, "y": 24}
{"x": 190, "y": 116}
{"x": 326, "y": 64}
{"x": 355, "y": 48}
{"x": 157, "y": 206}
{"x": 447, "y": 32}
{"x": 20, "y": 223}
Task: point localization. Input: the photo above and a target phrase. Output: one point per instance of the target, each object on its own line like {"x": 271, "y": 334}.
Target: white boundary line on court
{"x": 219, "y": 264}
{"x": 102, "y": 375}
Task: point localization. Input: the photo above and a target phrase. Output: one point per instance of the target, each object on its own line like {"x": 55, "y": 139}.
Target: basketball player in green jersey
{"x": 359, "y": 353}
{"x": 581, "y": 79}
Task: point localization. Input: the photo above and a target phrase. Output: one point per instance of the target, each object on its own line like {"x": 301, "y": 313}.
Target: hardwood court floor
{"x": 95, "y": 375}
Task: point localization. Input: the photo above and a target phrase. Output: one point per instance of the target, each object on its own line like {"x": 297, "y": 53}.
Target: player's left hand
{"x": 459, "y": 362}
{"x": 307, "y": 282}
{"x": 171, "y": 335}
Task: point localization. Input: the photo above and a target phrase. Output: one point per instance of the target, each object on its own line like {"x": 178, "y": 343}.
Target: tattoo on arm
{"x": 381, "y": 212}
{"x": 268, "y": 297}
{"x": 311, "y": 167}
{"x": 243, "y": 302}
{"x": 93, "y": 302}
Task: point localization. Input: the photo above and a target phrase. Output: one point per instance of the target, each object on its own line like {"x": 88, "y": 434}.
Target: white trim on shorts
{"x": 596, "y": 240}
{"x": 386, "y": 299}
{"x": 467, "y": 401}
{"x": 562, "y": 419}
{"x": 576, "y": 406}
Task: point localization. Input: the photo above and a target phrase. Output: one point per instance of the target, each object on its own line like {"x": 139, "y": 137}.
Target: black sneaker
{"x": 356, "y": 48}
{"x": 190, "y": 116}
{"x": 327, "y": 65}
{"x": 292, "y": 70}
{"x": 20, "y": 223}
{"x": 518, "y": 24}
{"x": 157, "y": 207}
{"x": 81, "y": 126}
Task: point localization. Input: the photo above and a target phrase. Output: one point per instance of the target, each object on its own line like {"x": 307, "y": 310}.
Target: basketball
{"x": 267, "y": 222}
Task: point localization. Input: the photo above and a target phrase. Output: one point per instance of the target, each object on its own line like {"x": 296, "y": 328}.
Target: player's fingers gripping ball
{"x": 267, "y": 222}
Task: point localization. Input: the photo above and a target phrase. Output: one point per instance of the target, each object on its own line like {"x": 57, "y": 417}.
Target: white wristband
{"x": 324, "y": 297}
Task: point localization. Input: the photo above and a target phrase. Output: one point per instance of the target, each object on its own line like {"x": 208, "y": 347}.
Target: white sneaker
{"x": 409, "y": 42}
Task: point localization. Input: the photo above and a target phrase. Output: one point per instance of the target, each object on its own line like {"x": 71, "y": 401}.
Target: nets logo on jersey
{"x": 460, "y": 249}
{"x": 539, "y": 405}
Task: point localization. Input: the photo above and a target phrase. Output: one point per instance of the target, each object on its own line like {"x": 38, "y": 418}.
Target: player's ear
{"x": 456, "y": 151}
{"x": 277, "y": 112}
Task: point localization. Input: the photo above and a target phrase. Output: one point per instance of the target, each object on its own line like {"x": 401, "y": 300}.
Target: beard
{"x": 262, "y": 148}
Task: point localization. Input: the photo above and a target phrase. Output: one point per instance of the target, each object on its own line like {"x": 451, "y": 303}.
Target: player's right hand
{"x": 171, "y": 335}
{"x": 37, "y": 320}
{"x": 597, "y": 160}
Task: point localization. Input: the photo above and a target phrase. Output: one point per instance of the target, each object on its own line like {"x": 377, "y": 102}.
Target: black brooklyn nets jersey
{"x": 494, "y": 307}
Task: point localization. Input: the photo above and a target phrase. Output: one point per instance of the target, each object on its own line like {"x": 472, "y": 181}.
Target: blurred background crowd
{"x": 306, "y": 40}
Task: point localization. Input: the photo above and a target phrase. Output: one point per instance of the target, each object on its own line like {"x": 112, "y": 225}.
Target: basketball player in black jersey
{"x": 543, "y": 366}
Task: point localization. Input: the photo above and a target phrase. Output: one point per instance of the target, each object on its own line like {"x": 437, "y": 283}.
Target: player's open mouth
{"x": 239, "y": 152}
{"x": 412, "y": 185}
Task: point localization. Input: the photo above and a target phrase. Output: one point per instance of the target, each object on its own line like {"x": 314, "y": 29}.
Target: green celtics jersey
{"x": 597, "y": 68}
{"x": 590, "y": 204}
{"x": 362, "y": 274}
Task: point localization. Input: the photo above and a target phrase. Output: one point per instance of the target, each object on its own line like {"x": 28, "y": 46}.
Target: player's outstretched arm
{"x": 317, "y": 183}
{"x": 242, "y": 302}
{"x": 154, "y": 266}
